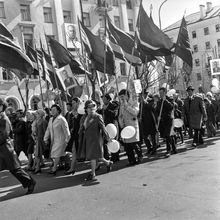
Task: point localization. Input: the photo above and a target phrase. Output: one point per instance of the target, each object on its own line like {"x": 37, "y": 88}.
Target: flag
{"x": 151, "y": 39}
{"x": 63, "y": 57}
{"x": 96, "y": 49}
{"x": 13, "y": 58}
{"x": 182, "y": 47}
{"x": 126, "y": 42}
{"x": 5, "y": 32}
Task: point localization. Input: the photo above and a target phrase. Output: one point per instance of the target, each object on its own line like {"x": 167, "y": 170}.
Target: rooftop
{"x": 195, "y": 17}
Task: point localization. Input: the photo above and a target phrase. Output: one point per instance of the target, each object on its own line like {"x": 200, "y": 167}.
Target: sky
{"x": 173, "y": 10}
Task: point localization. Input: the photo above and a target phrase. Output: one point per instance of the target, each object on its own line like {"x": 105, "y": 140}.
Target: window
{"x": 206, "y": 31}
{"x": 207, "y": 45}
{"x": 101, "y": 34}
{"x": 86, "y": 19}
{"x": 217, "y": 27}
{"x": 218, "y": 42}
{"x": 199, "y": 76}
{"x": 48, "y": 15}
{"x": 130, "y": 25}
{"x": 122, "y": 69}
{"x": 28, "y": 39}
{"x": 197, "y": 62}
{"x": 117, "y": 21}
{"x": 194, "y": 34}
{"x": 2, "y": 10}
{"x": 25, "y": 13}
{"x": 67, "y": 16}
{"x": 51, "y": 36}
{"x": 195, "y": 48}
{"x": 115, "y": 2}
{"x": 128, "y": 3}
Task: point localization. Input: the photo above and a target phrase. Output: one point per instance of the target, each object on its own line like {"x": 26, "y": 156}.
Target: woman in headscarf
{"x": 91, "y": 132}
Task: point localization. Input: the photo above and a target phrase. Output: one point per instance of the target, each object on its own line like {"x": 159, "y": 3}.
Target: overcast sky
{"x": 173, "y": 10}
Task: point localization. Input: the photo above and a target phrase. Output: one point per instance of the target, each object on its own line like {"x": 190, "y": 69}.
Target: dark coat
{"x": 29, "y": 138}
{"x": 8, "y": 157}
{"x": 194, "y": 111}
{"x": 19, "y": 131}
{"x": 91, "y": 137}
{"x": 167, "y": 116}
{"x": 68, "y": 118}
{"x": 148, "y": 122}
{"x": 210, "y": 109}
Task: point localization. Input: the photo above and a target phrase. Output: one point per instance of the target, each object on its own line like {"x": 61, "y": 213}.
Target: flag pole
{"x": 19, "y": 90}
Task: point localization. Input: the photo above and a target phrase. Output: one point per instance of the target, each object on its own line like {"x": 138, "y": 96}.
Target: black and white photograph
{"x": 83, "y": 139}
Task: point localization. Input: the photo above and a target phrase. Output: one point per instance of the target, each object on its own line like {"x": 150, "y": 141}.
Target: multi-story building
{"x": 204, "y": 35}
{"x": 30, "y": 20}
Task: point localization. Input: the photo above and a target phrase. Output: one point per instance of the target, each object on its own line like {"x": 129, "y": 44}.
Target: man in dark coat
{"x": 19, "y": 133}
{"x": 195, "y": 113}
{"x": 165, "y": 111}
{"x": 149, "y": 125}
{"x": 69, "y": 114}
{"x": 8, "y": 157}
{"x": 110, "y": 115}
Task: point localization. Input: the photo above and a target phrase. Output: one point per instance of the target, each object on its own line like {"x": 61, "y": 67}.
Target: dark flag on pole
{"x": 182, "y": 47}
{"x": 151, "y": 39}
{"x": 96, "y": 50}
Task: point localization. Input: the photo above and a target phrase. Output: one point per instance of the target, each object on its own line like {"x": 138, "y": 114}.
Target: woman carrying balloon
{"x": 91, "y": 133}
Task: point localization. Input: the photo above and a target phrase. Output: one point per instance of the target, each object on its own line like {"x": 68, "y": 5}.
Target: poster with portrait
{"x": 102, "y": 79}
{"x": 66, "y": 77}
{"x": 215, "y": 66}
{"x": 72, "y": 36}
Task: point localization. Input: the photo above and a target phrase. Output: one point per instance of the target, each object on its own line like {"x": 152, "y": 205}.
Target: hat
{"x": 90, "y": 104}
{"x": 107, "y": 96}
{"x": 209, "y": 94}
{"x": 162, "y": 88}
{"x": 189, "y": 88}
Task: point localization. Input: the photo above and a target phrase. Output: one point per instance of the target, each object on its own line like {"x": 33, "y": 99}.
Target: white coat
{"x": 59, "y": 134}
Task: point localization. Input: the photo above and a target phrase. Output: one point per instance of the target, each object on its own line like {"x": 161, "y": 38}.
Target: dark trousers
{"x": 170, "y": 143}
{"x": 23, "y": 177}
{"x": 114, "y": 156}
{"x": 197, "y": 137}
{"x": 150, "y": 142}
{"x": 130, "y": 148}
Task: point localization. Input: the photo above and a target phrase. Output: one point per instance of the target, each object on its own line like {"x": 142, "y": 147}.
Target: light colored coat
{"x": 128, "y": 117}
{"x": 59, "y": 134}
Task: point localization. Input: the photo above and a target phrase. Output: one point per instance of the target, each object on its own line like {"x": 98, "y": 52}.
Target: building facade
{"x": 204, "y": 35}
{"x": 30, "y": 20}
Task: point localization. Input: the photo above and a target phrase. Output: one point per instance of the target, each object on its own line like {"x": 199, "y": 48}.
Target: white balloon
{"x": 112, "y": 130}
{"x": 122, "y": 85}
{"x": 171, "y": 92}
{"x": 84, "y": 97}
{"x": 215, "y": 82}
{"x": 178, "y": 123}
{"x": 128, "y": 132}
{"x": 111, "y": 95}
{"x": 113, "y": 146}
{"x": 81, "y": 108}
{"x": 215, "y": 90}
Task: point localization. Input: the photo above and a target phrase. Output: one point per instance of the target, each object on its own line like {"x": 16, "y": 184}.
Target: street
{"x": 184, "y": 186}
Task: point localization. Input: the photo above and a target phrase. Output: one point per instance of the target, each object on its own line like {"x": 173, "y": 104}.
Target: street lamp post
{"x": 159, "y": 12}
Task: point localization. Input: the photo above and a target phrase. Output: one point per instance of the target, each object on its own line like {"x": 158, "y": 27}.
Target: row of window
{"x": 206, "y": 31}
{"x": 114, "y": 3}
{"x": 207, "y": 46}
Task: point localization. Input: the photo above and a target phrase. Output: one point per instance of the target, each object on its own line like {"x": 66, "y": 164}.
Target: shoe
{"x": 31, "y": 187}
{"x": 90, "y": 177}
{"x": 167, "y": 153}
{"x": 109, "y": 167}
{"x": 98, "y": 167}
{"x": 131, "y": 164}
{"x": 52, "y": 172}
{"x": 194, "y": 145}
{"x": 70, "y": 172}
{"x": 140, "y": 159}
{"x": 174, "y": 152}
{"x": 37, "y": 171}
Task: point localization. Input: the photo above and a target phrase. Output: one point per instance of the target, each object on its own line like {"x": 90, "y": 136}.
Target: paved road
{"x": 184, "y": 186}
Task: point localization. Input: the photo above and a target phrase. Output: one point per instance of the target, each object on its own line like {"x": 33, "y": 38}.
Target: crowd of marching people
{"x": 48, "y": 135}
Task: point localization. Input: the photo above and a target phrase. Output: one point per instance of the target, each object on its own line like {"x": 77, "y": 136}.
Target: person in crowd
{"x": 29, "y": 139}
{"x": 109, "y": 112}
{"x": 178, "y": 101}
{"x": 165, "y": 112}
{"x": 8, "y": 157}
{"x": 210, "y": 123}
{"x": 218, "y": 110}
{"x": 47, "y": 114}
{"x": 68, "y": 115}
{"x": 19, "y": 133}
{"x": 74, "y": 134}
{"x": 59, "y": 134}
{"x": 41, "y": 126}
{"x": 128, "y": 113}
{"x": 149, "y": 125}
{"x": 214, "y": 103}
{"x": 195, "y": 113}
{"x": 91, "y": 133}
